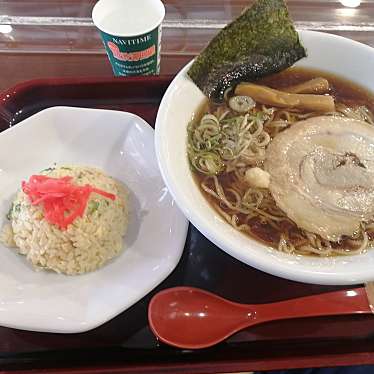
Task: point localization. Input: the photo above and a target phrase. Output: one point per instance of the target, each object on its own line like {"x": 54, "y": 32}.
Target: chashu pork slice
{"x": 322, "y": 174}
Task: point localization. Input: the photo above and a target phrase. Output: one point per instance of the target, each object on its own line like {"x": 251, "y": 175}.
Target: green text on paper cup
{"x": 135, "y": 55}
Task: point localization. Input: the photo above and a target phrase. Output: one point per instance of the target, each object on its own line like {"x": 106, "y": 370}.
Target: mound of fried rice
{"x": 88, "y": 243}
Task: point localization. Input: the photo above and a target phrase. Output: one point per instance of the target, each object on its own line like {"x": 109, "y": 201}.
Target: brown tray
{"x": 125, "y": 344}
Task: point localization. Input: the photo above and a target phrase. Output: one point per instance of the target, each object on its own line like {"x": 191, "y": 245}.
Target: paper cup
{"x": 131, "y": 33}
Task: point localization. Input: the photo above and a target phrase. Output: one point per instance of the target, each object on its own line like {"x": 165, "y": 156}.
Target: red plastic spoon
{"x": 187, "y": 317}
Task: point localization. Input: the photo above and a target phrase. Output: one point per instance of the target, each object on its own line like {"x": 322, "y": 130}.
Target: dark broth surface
{"x": 342, "y": 90}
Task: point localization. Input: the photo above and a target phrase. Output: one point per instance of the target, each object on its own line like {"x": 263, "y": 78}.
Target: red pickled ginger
{"x": 61, "y": 200}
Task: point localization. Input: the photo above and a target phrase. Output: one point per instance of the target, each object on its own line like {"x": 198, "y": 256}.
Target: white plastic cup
{"x": 131, "y": 33}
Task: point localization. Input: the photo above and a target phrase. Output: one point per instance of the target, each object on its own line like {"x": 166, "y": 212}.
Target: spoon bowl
{"x": 184, "y": 315}
{"x": 192, "y": 318}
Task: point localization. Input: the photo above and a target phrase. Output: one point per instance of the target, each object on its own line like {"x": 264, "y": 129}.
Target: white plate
{"x": 122, "y": 145}
{"x": 326, "y": 52}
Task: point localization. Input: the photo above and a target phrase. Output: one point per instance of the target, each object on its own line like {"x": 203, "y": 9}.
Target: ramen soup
{"x": 289, "y": 161}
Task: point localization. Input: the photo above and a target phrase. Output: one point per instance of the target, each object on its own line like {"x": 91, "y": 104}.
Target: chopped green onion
{"x": 47, "y": 170}
{"x": 93, "y": 206}
{"x": 9, "y": 214}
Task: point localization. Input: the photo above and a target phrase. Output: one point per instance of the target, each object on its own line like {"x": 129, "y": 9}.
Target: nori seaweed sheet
{"x": 261, "y": 41}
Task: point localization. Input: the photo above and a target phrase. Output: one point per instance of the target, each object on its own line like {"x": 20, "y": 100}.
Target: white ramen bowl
{"x": 327, "y": 53}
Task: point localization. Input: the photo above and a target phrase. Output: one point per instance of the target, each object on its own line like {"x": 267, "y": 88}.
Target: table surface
{"x": 56, "y": 38}
{"x": 49, "y": 38}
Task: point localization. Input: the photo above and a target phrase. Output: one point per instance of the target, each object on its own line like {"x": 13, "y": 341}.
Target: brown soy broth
{"x": 265, "y": 234}
{"x": 342, "y": 90}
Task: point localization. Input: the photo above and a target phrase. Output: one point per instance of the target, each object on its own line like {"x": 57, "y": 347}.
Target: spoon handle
{"x": 354, "y": 301}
